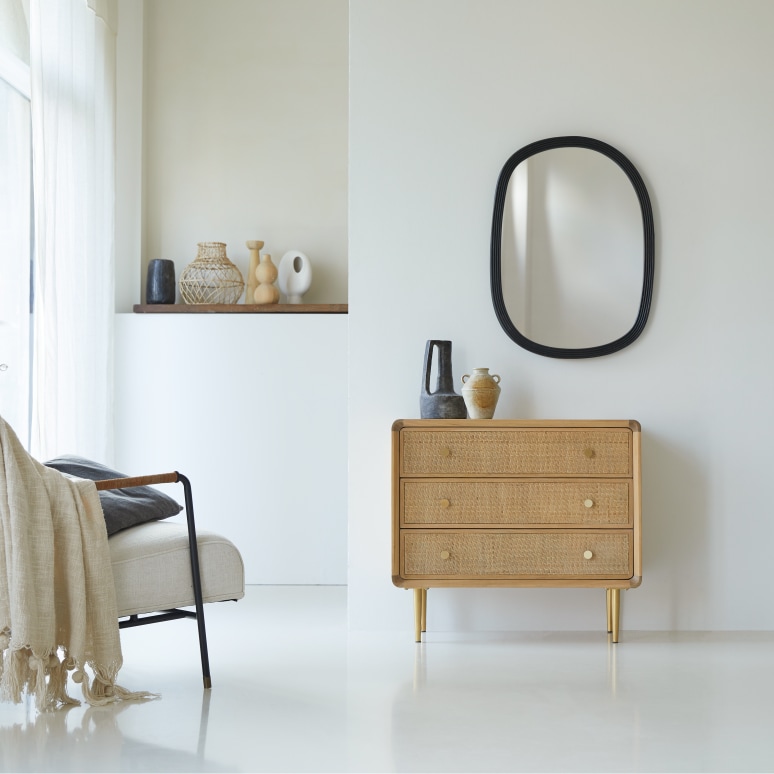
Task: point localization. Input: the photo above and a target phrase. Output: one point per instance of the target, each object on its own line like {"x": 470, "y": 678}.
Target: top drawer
{"x": 516, "y": 452}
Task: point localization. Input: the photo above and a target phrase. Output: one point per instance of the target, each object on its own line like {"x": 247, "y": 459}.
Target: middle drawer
{"x": 454, "y": 502}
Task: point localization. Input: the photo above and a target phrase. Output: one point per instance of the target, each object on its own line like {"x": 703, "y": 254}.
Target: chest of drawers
{"x": 516, "y": 503}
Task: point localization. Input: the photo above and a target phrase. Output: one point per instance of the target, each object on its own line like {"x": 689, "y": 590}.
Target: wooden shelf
{"x": 241, "y": 308}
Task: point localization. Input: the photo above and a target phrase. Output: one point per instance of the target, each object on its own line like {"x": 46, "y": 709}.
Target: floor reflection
{"x": 295, "y": 691}
{"x": 500, "y": 697}
{"x": 423, "y": 649}
{"x": 89, "y": 739}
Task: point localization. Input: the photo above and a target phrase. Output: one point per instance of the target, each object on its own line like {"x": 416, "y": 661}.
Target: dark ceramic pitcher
{"x": 444, "y": 403}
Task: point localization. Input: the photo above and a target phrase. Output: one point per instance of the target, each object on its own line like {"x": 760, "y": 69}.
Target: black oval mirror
{"x": 572, "y": 251}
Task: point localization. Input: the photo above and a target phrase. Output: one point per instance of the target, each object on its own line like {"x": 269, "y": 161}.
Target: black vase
{"x": 443, "y": 403}
{"x": 160, "y": 287}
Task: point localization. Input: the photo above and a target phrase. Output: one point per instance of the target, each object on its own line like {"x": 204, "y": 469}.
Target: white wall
{"x": 130, "y": 265}
{"x": 252, "y": 408}
{"x": 441, "y": 93}
{"x": 233, "y": 126}
{"x": 244, "y": 116}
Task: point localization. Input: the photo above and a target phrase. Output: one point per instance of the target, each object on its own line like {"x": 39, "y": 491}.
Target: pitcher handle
{"x": 428, "y": 366}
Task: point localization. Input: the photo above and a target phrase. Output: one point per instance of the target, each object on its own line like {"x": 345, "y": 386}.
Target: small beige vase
{"x": 481, "y": 391}
{"x": 266, "y": 274}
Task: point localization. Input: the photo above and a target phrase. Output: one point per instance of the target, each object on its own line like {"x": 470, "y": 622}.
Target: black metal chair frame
{"x": 171, "y": 615}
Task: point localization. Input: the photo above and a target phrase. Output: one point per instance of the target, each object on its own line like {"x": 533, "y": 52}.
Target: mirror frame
{"x": 496, "y": 247}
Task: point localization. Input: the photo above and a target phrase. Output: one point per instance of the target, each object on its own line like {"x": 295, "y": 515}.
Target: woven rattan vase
{"x": 211, "y": 278}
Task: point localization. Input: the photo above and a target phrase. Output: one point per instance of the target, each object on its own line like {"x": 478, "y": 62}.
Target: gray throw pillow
{"x": 122, "y": 507}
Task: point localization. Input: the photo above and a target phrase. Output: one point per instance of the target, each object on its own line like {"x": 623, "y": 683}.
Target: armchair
{"x": 66, "y": 544}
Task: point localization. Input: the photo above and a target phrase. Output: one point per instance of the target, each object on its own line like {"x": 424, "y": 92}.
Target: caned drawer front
{"x": 452, "y": 502}
{"x": 475, "y": 554}
{"x": 523, "y": 452}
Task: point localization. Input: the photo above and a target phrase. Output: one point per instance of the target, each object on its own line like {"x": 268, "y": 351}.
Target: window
{"x": 15, "y": 218}
{"x": 57, "y": 150}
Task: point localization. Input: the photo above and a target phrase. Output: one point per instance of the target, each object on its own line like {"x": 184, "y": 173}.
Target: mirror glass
{"x": 571, "y": 249}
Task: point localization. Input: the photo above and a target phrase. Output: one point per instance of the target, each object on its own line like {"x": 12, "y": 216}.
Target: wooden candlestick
{"x": 254, "y": 245}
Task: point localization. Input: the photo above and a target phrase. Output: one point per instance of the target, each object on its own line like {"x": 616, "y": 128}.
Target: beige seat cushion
{"x": 152, "y": 568}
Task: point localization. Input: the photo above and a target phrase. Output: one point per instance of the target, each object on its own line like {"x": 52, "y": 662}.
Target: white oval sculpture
{"x": 295, "y": 275}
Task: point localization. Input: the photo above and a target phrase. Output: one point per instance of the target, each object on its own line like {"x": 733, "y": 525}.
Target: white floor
{"x": 293, "y": 691}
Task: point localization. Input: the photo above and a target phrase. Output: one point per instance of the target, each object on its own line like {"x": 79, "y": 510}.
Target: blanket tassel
{"x": 104, "y": 691}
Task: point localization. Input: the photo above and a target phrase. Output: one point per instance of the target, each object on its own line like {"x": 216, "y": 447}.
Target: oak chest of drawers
{"x": 516, "y": 503}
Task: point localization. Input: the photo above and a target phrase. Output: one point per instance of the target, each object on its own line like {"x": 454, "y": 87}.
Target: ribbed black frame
{"x": 496, "y": 246}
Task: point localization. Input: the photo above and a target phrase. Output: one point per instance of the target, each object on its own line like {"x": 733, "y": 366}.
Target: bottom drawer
{"x": 504, "y": 554}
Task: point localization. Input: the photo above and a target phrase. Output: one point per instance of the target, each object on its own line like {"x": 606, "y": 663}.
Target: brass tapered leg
{"x": 418, "y": 615}
{"x": 424, "y": 610}
{"x": 615, "y": 604}
{"x": 608, "y": 594}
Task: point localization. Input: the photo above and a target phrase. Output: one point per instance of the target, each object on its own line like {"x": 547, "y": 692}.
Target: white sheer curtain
{"x": 72, "y": 67}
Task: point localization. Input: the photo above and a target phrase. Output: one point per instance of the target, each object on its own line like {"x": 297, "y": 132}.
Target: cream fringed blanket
{"x": 57, "y": 600}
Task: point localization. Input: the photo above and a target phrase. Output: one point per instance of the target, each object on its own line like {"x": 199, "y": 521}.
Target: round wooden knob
{"x": 588, "y": 503}
{"x": 445, "y": 452}
{"x": 589, "y": 453}
{"x": 445, "y": 554}
{"x": 445, "y": 503}
{"x": 587, "y": 554}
